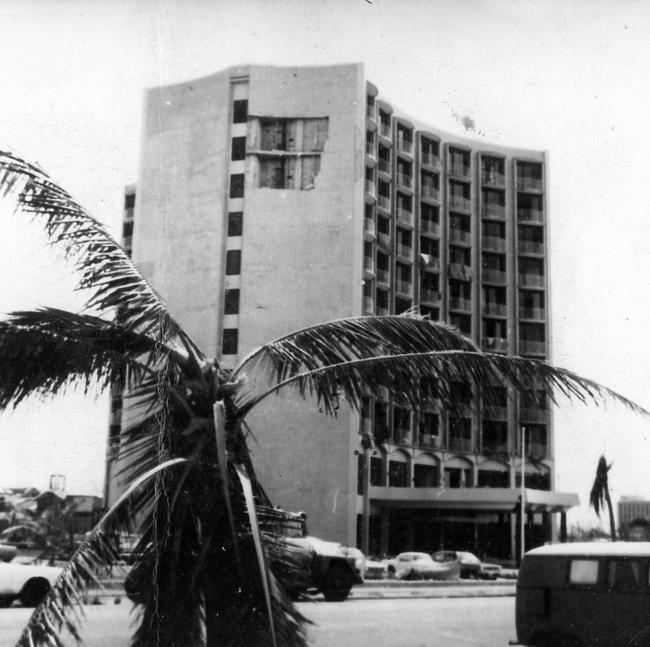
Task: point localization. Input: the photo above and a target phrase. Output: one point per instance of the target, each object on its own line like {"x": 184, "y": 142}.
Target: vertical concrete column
{"x": 563, "y": 530}
{"x": 384, "y": 532}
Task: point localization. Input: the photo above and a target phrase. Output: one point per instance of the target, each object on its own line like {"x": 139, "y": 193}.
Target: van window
{"x": 583, "y": 571}
{"x": 624, "y": 573}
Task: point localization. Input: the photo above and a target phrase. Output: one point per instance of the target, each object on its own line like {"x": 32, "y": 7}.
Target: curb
{"x": 379, "y": 590}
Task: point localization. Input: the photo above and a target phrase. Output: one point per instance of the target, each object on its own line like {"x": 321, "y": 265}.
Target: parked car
{"x": 375, "y": 570}
{"x": 470, "y": 565}
{"x": 28, "y": 583}
{"x": 421, "y": 566}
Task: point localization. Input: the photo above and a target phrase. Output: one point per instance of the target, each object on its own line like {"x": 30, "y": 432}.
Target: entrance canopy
{"x": 487, "y": 498}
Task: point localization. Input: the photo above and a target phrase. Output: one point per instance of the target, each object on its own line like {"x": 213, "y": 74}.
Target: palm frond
{"x": 63, "y": 605}
{"x": 600, "y": 486}
{"x": 104, "y": 268}
{"x": 427, "y": 379}
{"x": 342, "y": 340}
{"x": 44, "y": 351}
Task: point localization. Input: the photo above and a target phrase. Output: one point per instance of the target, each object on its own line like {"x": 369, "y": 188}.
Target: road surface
{"x": 440, "y": 622}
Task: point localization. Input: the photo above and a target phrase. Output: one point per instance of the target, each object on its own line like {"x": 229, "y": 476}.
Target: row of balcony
{"x": 461, "y": 203}
{"x": 435, "y": 442}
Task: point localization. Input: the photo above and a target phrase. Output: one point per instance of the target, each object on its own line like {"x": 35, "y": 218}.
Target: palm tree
{"x": 600, "y": 494}
{"x": 209, "y": 574}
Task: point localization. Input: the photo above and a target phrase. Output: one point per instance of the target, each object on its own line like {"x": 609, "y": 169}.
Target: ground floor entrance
{"x": 490, "y": 527}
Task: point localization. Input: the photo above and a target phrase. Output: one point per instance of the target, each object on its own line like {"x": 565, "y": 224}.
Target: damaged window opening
{"x": 286, "y": 153}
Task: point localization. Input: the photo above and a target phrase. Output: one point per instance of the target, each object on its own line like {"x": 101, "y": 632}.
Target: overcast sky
{"x": 567, "y": 77}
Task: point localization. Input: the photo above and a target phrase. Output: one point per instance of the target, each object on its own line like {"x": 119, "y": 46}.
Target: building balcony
{"x": 405, "y": 180}
{"x": 459, "y": 303}
{"x": 371, "y": 112}
{"x": 371, "y": 187}
{"x": 460, "y": 271}
{"x": 369, "y": 264}
{"x": 538, "y": 314}
{"x": 402, "y": 435}
{"x": 493, "y": 211}
{"x": 430, "y": 227}
{"x": 459, "y": 444}
{"x": 370, "y": 148}
{"x": 500, "y": 449}
{"x": 430, "y": 262}
{"x": 429, "y": 192}
{"x": 385, "y": 130}
{"x": 383, "y": 202}
{"x": 405, "y": 145}
{"x": 533, "y": 415}
{"x": 532, "y": 280}
{"x": 431, "y": 160}
{"x": 495, "y": 344}
{"x": 460, "y": 236}
{"x": 529, "y": 347}
{"x": 495, "y": 413}
{"x": 369, "y": 227}
{"x": 430, "y": 296}
{"x": 530, "y": 215}
{"x": 383, "y": 276}
{"x": 493, "y": 243}
{"x": 494, "y": 276}
{"x": 382, "y": 311}
{"x": 462, "y": 171}
{"x": 498, "y": 309}
{"x": 536, "y": 451}
{"x": 429, "y": 441}
{"x": 457, "y": 202}
{"x": 368, "y": 305}
{"x": 530, "y": 247}
{"x": 404, "y": 287}
{"x": 492, "y": 178}
{"x": 405, "y": 251}
{"x": 383, "y": 165}
{"x": 529, "y": 184}
{"x": 405, "y": 216}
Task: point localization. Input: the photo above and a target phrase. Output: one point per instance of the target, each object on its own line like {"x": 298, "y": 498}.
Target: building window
{"x": 231, "y": 302}
{"x": 129, "y": 201}
{"x": 233, "y": 261}
{"x": 238, "y": 151}
{"x": 237, "y": 185}
{"x": 377, "y": 472}
{"x": 398, "y": 474}
{"x": 235, "y": 220}
{"x": 240, "y": 111}
{"x": 230, "y": 339}
{"x": 277, "y": 173}
{"x": 127, "y": 229}
{"x": 425, "y": 476}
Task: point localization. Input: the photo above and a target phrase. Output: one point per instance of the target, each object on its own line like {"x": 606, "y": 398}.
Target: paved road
{"x": 443, "y": 622}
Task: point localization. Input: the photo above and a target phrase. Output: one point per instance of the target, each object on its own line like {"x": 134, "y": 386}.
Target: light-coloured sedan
{"x": 420, "y": 566}
{"x": 29, "y": 583}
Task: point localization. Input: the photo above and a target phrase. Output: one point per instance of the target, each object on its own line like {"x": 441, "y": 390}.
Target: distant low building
{"x": 634, "y": 518}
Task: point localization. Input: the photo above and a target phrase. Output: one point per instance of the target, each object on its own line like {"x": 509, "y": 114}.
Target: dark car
{"x": 471, "y": 566}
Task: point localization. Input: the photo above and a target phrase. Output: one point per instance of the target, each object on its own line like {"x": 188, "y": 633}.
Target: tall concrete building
{"x": 272, "y": 198}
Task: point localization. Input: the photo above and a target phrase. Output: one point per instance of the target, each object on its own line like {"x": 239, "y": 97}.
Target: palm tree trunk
{"x": 610, "y": 509}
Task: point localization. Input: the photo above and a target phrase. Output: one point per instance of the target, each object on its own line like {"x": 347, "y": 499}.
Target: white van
{"x": 582, "y": 594}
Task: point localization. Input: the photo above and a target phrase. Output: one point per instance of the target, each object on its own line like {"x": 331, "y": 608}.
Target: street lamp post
{"x": 522, "y": 497}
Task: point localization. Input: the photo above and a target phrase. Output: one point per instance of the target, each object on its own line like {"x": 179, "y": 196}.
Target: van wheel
{"x": 337, "y": 585}
{"x": 34, "y": 591}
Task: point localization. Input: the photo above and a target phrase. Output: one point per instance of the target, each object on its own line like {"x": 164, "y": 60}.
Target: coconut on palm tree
{"x": 208, "y": 572}
{"x": 599, "y": 495}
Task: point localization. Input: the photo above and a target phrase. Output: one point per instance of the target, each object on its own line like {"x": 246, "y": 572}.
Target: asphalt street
{"x": 403, "y": 622}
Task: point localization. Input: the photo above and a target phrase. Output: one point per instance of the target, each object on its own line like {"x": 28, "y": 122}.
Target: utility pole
{"x": 522, "y": 497}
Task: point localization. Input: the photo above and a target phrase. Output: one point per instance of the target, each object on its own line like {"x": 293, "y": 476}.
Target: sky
{"x": 566, "y": 77}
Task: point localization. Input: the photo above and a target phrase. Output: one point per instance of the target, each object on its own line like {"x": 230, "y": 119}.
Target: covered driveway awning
{"x": 493, "y": 499}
